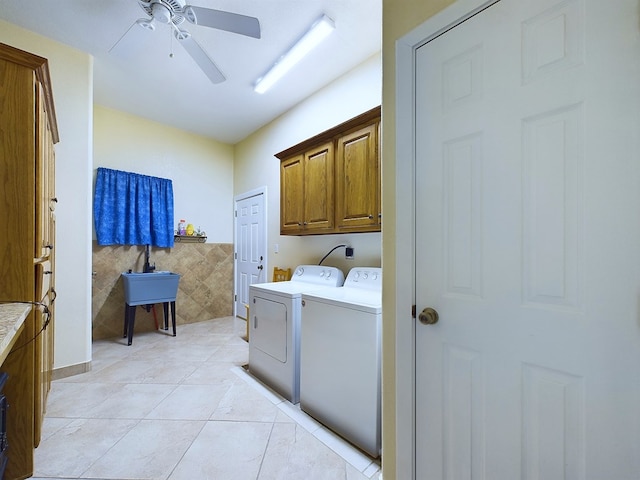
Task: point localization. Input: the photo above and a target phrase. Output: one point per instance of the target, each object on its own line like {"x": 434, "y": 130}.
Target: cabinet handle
{"x": 54, "y": 199}
{"x": 49, "y": 246}
{"x": 304, "y": 223}
{"x": 370, "y": 216}
{"x": 55, "y": 295}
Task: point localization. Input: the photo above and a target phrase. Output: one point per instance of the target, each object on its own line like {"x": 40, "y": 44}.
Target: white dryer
{"x": 274, "y": 329}
{"x": 340, "y": 357}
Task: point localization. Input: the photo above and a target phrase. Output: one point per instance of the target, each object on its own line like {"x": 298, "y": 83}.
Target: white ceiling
{"x": 139, "y": 77}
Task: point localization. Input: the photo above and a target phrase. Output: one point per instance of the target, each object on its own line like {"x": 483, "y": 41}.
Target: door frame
{"x": 405, "y": 254}
{"x": 236, "y": 199}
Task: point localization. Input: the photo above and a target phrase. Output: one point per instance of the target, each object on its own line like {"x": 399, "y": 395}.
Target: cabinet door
{"x": 42, "y": 370}
{"x": 291, "y": 194}
{"x": 44, "y": 180}
{"x": 319, "y": 189}
{"x": 358, "y": 181}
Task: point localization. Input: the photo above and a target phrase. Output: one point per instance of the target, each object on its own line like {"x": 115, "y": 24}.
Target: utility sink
{"x": 149, "y": 288}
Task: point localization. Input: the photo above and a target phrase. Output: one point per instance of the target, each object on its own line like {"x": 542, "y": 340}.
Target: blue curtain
{"x": 133, "y": 209}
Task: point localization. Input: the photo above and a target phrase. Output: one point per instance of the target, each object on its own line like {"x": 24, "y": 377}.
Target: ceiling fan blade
{"x": 132, "y": 41}
{"x": 231, "y": 22}
{"x": 196, "y": 52}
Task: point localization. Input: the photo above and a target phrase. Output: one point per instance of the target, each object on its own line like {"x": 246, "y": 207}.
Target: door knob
{"x": 428, "y": 316}
{"x": 260, "y": 267}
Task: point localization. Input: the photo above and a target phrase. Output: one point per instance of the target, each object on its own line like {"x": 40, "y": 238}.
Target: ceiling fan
{"x": 175, "y": 12}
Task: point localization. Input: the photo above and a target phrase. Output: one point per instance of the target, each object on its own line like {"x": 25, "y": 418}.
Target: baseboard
{"x": 70, "y": 371}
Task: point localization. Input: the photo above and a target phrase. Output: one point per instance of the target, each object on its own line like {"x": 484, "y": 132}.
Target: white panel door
{"x": 250, "y": 248}
{"x": 527, "y": 239}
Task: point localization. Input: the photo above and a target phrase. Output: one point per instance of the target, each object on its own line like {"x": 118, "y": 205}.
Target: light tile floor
{"x": 183, "y": 408}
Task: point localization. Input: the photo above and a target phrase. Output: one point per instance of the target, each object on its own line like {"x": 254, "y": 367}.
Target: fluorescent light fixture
{"x": 318, "y": 32}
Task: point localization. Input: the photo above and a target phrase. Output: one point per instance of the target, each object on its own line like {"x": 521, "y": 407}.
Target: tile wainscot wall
{"x": 205, "y": 290}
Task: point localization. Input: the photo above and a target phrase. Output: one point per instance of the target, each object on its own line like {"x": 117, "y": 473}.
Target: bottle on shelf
{"x": 181, "y": 228}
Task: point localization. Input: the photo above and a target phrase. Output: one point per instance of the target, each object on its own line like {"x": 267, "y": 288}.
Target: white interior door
{"x": 527, "y": 239}
{"x": 250, "y": 247}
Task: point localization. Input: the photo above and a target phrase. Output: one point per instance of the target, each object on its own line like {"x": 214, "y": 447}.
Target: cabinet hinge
{"x": 413, "y": 311}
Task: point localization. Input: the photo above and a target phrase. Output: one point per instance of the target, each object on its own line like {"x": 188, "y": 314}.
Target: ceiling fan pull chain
{"x": 170, "y": 43}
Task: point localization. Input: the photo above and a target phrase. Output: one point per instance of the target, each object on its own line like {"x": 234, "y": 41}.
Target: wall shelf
{"x": 189, "y": 239}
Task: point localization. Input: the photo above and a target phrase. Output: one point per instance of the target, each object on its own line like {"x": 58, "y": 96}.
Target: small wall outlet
{"x": 348, "y": 253}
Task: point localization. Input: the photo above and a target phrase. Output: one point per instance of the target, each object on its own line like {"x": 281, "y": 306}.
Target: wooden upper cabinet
{"x": 318, "y": 189}
{"x": 306, "y": 192}
{"x": 358, "y": 180}
{"x": 331, "y": 183}
{"x": 291, "y": 194}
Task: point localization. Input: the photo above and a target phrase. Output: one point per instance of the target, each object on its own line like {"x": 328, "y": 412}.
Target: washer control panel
{"x": 364, "y": 277}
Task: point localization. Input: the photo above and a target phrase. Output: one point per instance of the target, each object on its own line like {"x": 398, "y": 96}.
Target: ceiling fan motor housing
{"x": 164, "y": 11}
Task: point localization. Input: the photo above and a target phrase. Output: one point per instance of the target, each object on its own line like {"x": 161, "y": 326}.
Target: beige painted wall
{"x": 71, "y": 78}
{"x": 399, "y": 18}
{"x": 256, "y": 166}
{"x": 201, "y": 168}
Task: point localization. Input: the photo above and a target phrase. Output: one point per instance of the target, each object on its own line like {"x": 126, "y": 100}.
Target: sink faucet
{"x": 148, "y": 268}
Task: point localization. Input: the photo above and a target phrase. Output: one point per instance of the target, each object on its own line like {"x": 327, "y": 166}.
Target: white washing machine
{"x": 274, "y": 329}
{"x": 340, "y": 357}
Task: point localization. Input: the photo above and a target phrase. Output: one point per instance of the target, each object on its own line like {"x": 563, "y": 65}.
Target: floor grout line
{"x": 335, "y": 443}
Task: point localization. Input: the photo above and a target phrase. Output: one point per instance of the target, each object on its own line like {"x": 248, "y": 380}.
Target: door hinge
{"x": 235, "y": 298}
{"x": 236, "y": 213}
{"x": 235, "y": 255}
{"x": 413, "y": 311}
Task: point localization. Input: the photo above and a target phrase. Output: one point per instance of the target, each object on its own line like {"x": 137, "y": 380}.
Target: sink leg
{"x": 165, "y": 309}
{"x": 131, "y": 318}
{"x": 173, "y": 317}
{"x": 126, "y": 320}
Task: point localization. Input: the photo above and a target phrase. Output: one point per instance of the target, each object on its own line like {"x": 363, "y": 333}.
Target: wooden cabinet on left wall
{"x": 28, "y": 132}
